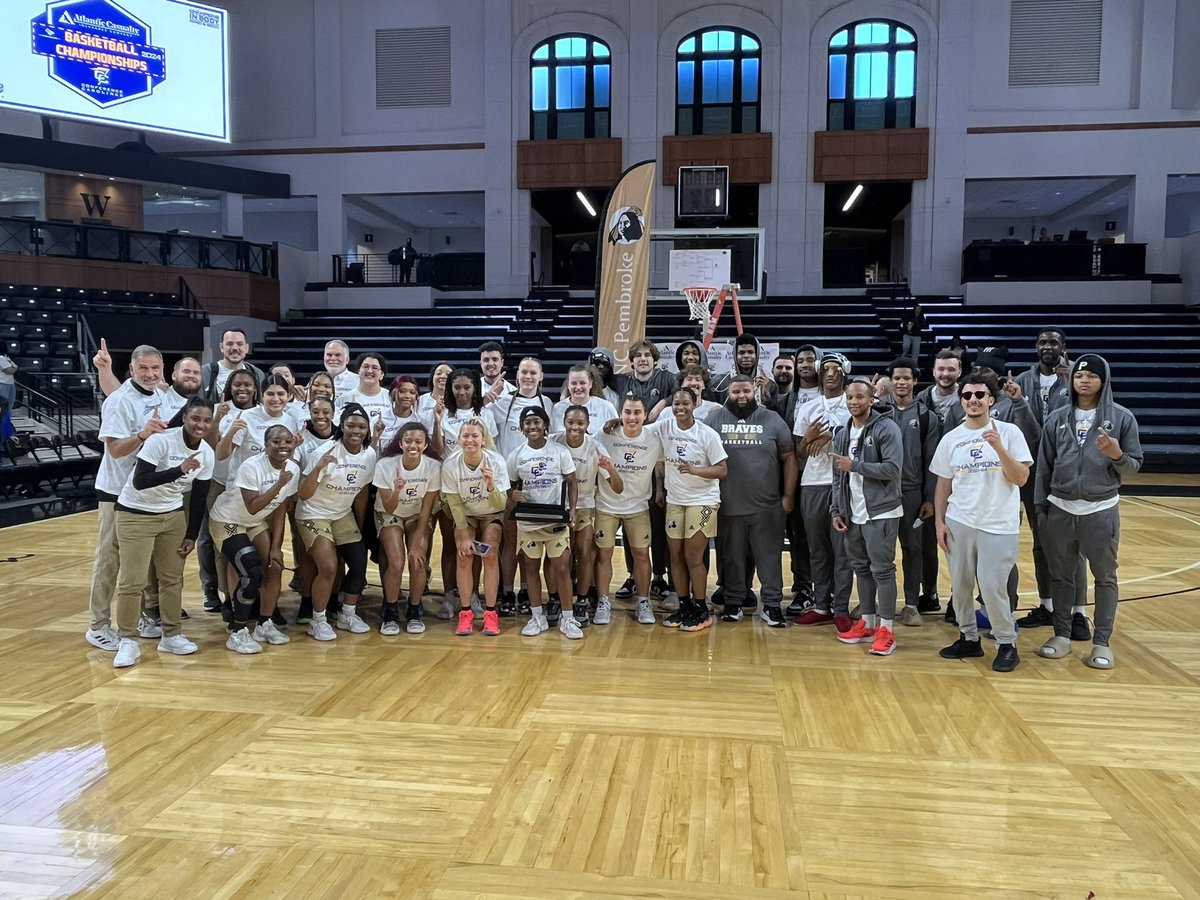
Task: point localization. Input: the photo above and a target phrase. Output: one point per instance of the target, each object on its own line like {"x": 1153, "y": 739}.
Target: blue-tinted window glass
{"x": 562, "y": 48}
{"x": 688, "y": 46}
{"x": 687, "y": 79}
{"x": 837, "y": 76}
{"x": 904, "y": 36}
{"x": 841, "y": 39}
{"x": 749, "y": 80}
{"x": 541, "y": 88}
{"x": 599, "y": 49}
{"x": 717, "y": 80}
{"x": 749, "y": 43}
{"x": 570, "y": 87}
{"x": 708, "y": 42}
{"x": 725, "y": 41}
{"x": 871, "y": 33}
{"x": 600, "y": 88}
{"x": 542, "y": 52}
{"x": 870, "y": 75}
{"x": 906, "y": 64}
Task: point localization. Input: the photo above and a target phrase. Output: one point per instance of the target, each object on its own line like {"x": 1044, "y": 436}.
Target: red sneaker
{"x": 858, "y": 634}
{"x": 466, "y": 622}
{"x": 843, "y": 623}
{"x": 814, "y": 617}
{"x": 491, "y": 622}
{"x": 885, "y": 642}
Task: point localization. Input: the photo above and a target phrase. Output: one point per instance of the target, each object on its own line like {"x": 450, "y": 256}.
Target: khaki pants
{"x": 105, "y": 566}
{"x": 145, "y": 539}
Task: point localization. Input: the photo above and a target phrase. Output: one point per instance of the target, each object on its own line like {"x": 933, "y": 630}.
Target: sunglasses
{"x": 974, "y": 395}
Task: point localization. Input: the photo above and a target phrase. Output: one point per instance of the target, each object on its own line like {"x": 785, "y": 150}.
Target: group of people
{"x": 531, "y": 491}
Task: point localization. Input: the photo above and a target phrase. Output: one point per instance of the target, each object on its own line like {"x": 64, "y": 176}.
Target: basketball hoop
{"x": 699, "y": 300}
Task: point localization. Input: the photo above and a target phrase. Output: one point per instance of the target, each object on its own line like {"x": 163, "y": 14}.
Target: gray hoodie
{"x": 1031, "y": 386}
{"x": 879, "y": 461}
{"x": 1073, "y": 472}
{"x": 921, "y": 430}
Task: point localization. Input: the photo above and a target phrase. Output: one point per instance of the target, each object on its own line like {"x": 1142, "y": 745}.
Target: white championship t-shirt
{"x": 392, "y": 428}
{"x": 982, "y": 497}
{"x": 507, "y": 414}
{"x": 165, "y": 451}
{"x": 698, "y": 445}
{"x": 600, "y": 411}
{"x": 452, "y": 423}
{"x": 252, "y": 440}
{"x": 459, "y": 479}
{"x": 634, "y": 459}
{"x": 258, "y": 475}
{"x": 378, "y": 407}
{"x": 345, "y": 382}
{"x": 587, "y": 468}
{"x": 418, "y": 482}
{"x": 125, "y": 412}
{"x": 340, "y": 483}
{"x": 542, "y": 472}
{"x": 818, "y": 468}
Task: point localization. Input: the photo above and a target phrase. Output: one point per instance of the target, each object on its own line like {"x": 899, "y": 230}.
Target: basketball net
{"x": 699, "y": 300}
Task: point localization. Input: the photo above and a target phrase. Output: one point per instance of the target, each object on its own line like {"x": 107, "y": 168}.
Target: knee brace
{"x": 250, "y": 573}
{"x": 355, "y": 557}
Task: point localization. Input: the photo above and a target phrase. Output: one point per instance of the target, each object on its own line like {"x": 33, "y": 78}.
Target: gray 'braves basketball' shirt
{"x": 755, "y": 445}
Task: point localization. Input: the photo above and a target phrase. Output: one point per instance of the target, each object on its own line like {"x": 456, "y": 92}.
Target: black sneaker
{"x": 332, "y": 609}
{"x": 294, "y": 584}
{"x": 389, "y": 612}
{"x": 1006, "y": 658}
{"x": 154, "y": 614}
{"x": 1038, "y": 616}
{"x": 751, "y": 601}
{"x": 1080, "y": 630}
{"x": 732, "y": 613}
{"x": 659, "y": 588}
{"x": 962, "y": 649}
{"x": 183, "y": 613}
{"x": 523, "y": 603}
{"x": 950, "y": 616}
{"x": 304, "y": 613}
{"x": 212, "y": 602}
{"x": 928, "y": 604}
{"x": 773, "y": 616}
{"x": 227, "y": 612}
{"x": 627, "y": 590}
{"x": 581, "y": 611}
{"x": 801, "y": 603}
{"x": 553, "y": 610}
{"x": 508, "y": 605}
{"x": 277, "y": 619}
{"x": 674, "y": 620}
{"x": 686, "y": 611}
{"x": 700, "y": 617}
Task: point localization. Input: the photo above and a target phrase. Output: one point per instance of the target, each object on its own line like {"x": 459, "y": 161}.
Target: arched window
{"x": 570, "y": 88}
{"x": 872, "y": 77}
{"x": 717, "y": 82}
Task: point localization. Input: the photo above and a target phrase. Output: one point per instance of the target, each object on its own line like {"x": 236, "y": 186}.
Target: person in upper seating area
{"x": 234, "y": 350}
{"x": 912, "y": 331}
{"x": 1044, "y": 235}
{"x": 1088, "y": 448}
{"x": 337, "y": 358}
{"x": 491, "y": 372}
{"x": 8, "y": 383}
{"x": 960, "y": 349}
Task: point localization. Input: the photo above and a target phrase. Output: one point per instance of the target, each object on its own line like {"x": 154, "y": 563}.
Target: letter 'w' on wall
{"x": 624, "y": 262}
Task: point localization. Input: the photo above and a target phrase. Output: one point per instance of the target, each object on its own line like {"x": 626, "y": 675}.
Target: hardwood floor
{"x": 738, "y": 763}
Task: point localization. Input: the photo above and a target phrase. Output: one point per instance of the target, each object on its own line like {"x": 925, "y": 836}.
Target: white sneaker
{"x": 476, "y": 605}
{"x": 105, "y": 638}
{"x": 268, "y": 633}
{"x": 352, "y": 624}
{"x": 128, "y": 652}
{"x": 450, "y": 606}
{"x": 177, "y": 644}
{"x": 570, "y": 628}
{"x": 240, "y": 642}
{"x": 390, "y": 627}
{"x": 415, "y": 626}
{"x": 603, "y": 611}
{"x": 645, "y": 615}
{"x": 148, "y": 628}
{"x": 321, "y": 630}
{"x": 535, "y": 626}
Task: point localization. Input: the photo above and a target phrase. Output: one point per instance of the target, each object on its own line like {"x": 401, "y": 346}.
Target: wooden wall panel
{"x": 117, "y": 203}
{"x": 586, "y": 162}
{"x": 219, "y": 292}
{"x": 747, "y": 155}
{"x": 886, "y": 155}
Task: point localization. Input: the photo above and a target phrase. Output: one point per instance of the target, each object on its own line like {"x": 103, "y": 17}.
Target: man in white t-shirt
{"x": 491, "y": 371}
{"x": 337, "y": 357}
{"x": 981, "y": 465}
{"x": 8, "y": 383}
{"x": 234, "y": 350}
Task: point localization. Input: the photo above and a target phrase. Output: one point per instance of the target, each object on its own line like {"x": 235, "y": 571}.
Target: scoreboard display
{"x": 702, "y": 192}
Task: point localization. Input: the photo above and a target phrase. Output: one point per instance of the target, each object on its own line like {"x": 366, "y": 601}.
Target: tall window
{"x": 570, "y": 88}
{"x": 717, "y": 82}
{"x": 872, "y": 77}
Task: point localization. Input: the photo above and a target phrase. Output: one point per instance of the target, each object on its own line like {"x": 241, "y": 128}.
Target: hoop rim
{"x": 695, "y": 291}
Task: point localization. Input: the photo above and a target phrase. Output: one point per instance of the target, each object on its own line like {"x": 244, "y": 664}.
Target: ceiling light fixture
{"x": 854, "y": 195}
{"x": 586, "y": 205}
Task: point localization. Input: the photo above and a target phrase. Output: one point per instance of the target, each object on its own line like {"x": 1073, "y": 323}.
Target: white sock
{"x": 1048, "y": 602}
{"x": 886, "y": 623}
{"x": 318, "y": 616}
{"x": 348, "y": 609}
{"x": 536, "y": 612}
{"x": 1076, "y": 609}
{"x": 871, "y": 621}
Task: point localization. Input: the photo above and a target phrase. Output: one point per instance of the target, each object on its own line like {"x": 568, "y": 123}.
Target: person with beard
{"x": 336, "y": 360}
{"x": 491, "y": 370}
{"x": 1088, "y": 449}
{"x": 981, "y": 465}
{"x": 234, "y": 350}
{"x": 815, "y": 425}
{"x": 747, "y": 360}
{"x": 783, "y": 372}
{"x": 920, "y": 430}
{"x": 805, "y": 388}
{"x": 942, "y": 395}
{"x": 756, "y": 494}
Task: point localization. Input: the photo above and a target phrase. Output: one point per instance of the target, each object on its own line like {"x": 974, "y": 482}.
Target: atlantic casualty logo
{"x": 626, "y": 226}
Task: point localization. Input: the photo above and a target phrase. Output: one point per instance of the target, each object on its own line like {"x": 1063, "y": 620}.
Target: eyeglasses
{"x": 974, "y": 395}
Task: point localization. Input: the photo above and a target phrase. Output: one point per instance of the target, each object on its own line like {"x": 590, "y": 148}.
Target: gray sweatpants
{"x": 831, "y": 573}
{"x": 757, "y": 537}
{"x": 871, "y": 549}
{"x": 986, "y": 558}
{"x": 1096, "y": 537}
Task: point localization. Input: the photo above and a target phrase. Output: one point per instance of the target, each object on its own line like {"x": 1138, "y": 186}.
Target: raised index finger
{"x": 104, "y": 344}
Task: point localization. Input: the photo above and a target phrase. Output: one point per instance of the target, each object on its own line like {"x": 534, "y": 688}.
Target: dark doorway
{"x": 864, "y": 243}
{"x": 567, "y": 249}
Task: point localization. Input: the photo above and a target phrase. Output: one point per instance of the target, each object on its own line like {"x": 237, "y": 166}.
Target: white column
{"x": 1148, "y": 216}
{"x": 327, "y": 22}
{"x": 231, "y": 215}
{"x": 785, "y": 221}
{"x": 1158, "y": 55}
{"x": 331, "y": 232}
{"x": 506, "y": 209}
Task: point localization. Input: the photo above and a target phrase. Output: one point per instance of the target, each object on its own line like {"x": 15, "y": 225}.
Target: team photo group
{"x": 513, "y": 493}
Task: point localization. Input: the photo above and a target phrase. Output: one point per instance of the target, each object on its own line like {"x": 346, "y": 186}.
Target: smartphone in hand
{"x": 480, "y": 548}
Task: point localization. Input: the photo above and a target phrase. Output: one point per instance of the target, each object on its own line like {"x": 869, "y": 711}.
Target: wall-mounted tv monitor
{"x": 153, "y": 65}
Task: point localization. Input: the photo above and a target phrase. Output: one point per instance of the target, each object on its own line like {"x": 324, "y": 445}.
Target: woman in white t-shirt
{"x": 247, "y": 528}
{"x": 696, "y": 379}
{"x": 333, "y": 501}
{"x": 152, "y": 527}
{"x": 592, "y": 462}
{"x": 436, "y": 390}
{"x": 408, "y": 481}
{"x": 403, "y": 394}
{"x": 246, "y": 435}
{"x": 315, "y": 431}
{"x": 297, "y": 395}
{"x": 370, "y": 395}
{"x": 462, "y": 402}
{"x": 583, "y": 389}
{"x": 693, "y": 464}
{"x": 322, "y": 385}
{"x": 475, "y": 489}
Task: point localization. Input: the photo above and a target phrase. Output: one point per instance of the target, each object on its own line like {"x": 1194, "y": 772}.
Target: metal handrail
{"x": 47, "y": 406}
